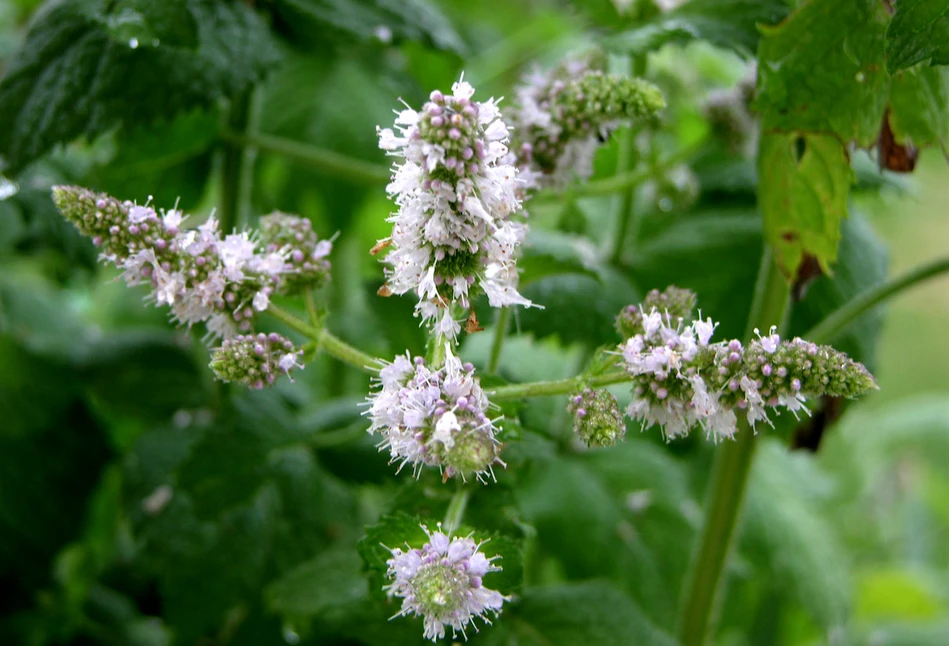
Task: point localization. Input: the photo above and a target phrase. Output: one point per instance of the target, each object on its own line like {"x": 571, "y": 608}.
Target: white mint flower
{"x": 455, "y": 196}
{"x": 442, "y": 582}
{"x": 434, "y": 417}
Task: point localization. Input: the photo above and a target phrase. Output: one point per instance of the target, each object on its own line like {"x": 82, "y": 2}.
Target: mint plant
{"x": 507, "y": 371}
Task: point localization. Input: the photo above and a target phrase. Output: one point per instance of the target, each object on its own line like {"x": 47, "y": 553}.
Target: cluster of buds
{"x": 434, "y": 416}
{"x": 562, "y": 116}
{"x": 255, "y": 360}
{"x": 682, "y": 380}
{"x": 223, "y": 281}
{"x": 597, "y": 419}
{"x": 455, "y": 197}
{"x": 442, "y": 582}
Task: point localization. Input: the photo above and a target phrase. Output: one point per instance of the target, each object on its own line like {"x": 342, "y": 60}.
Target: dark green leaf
{"x": 726, "y": 23}
{"x": 579, "y": 613}
{"x": 804, "y": 180}
{"x": 153, "y": 23}
{"x": 397, "y": 530}
{"x": 364, "y": 20}
{"x": 822, "y": 70}
{"x": 323, "y": 584}
{"x": 73, "y": 78}
{"x": 918, "y": 32}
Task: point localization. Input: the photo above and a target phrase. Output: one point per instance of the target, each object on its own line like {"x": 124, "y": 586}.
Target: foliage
{"x": 143, "y": 502}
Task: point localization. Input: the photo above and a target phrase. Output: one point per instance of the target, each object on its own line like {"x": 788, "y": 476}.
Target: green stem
{"x": 557, "y": 387}
{"x": 331, "y": 162}
{"x": 837, "y": 321}
{"x": 311, "y": 310}
{"x": 234, "y": 167}
{"x": 333, "y": 345}
{"x": 500, "y": 330}
{"x": 456, "y": 510}
{"x": 626, "y": 162}
{"x": 728, "y": 482}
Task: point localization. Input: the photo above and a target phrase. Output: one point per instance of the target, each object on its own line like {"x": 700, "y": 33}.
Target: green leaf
{"x": 918, "y": 32}
{"x": 726, "y": 23}
{"x": 169, "y": 161}
{"x": 321, "y": 585}
{"x": 579, "y": 613}
{"x": 919, "y": 106}
{"x": 368, "y": 19}
{"x": 821, "y": 70}
{"x": 390, "y": 532}
{"x": 804, "y": 181}
{"x": 797, "y": 546}
{"x": 153, "y": 23}
{"x": 72, "y": 78}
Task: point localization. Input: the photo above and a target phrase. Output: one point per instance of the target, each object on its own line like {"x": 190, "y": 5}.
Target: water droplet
{"x": 861, "y": 77}
{"x": 133, "y": 43}
{"x": 665, "y": 204}
{"x": 8, "y": 188}
{"x": 156, "y": 43}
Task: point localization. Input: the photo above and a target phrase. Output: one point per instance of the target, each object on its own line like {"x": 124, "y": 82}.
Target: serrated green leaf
{"x": 804, "y": 180}
{"x": 919, "y": 106}
{"x": 821, "y": 70}
{"x": 918, "y": 32}
{"x": 389, "y": 533}
{"x": 726, "y": 23}
{"x": 72, "y": 78}
{"x": 579, "y": 613}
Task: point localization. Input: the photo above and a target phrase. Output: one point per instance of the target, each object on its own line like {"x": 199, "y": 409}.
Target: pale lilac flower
{"x": 435, "y": 417}
{"x": 455, "y": 196}
{"x": 442, "y": 582}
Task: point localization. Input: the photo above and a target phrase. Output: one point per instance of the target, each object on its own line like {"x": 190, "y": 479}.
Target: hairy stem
{"x": 837, "y": 321}
{"x": 728, "y": 481}
{"x": 500, "y": 330}
{"x": 333, "y": 163}
{"x": 557, "y": 387}
{"x": 333, "y": 345}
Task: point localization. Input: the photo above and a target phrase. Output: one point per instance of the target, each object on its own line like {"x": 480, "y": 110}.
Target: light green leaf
{"x": 919, "y": 106}
{"x": 803, "y": 184}
{"x": 919, "y": 31}
{"x": 822, "y": 70}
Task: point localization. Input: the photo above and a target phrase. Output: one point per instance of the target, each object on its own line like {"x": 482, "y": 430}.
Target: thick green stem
{"x": 558, "y": 387}
{"x": 826, "y": 330}
{"x": 333, "y": 345}
{"x": 728, "y": 481}
{"x": 331, "y": 162}
{"x": 456, "y": 510}
{"x": 625, "y": 216}
{"x": 500, "y": 330}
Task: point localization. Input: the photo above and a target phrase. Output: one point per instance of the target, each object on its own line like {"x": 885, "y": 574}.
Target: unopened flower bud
{"x": 255, "y": 360}
{"x": 677, "y": 303}
{"x": 597, "y": 419}
{"x": 307, "y": 260}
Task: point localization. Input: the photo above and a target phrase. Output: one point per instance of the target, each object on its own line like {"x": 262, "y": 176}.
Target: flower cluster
{"x": 434, "y": 416}
{"x": 597, "y": 419}
{"x": 681, "y": 379}
{"x": 562, "y": 116}
{"x": 255, "y": 360}
{"x": 455, "y": 197}
{"x": 443, "y": 583}
{"x": 202, "y": 275}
